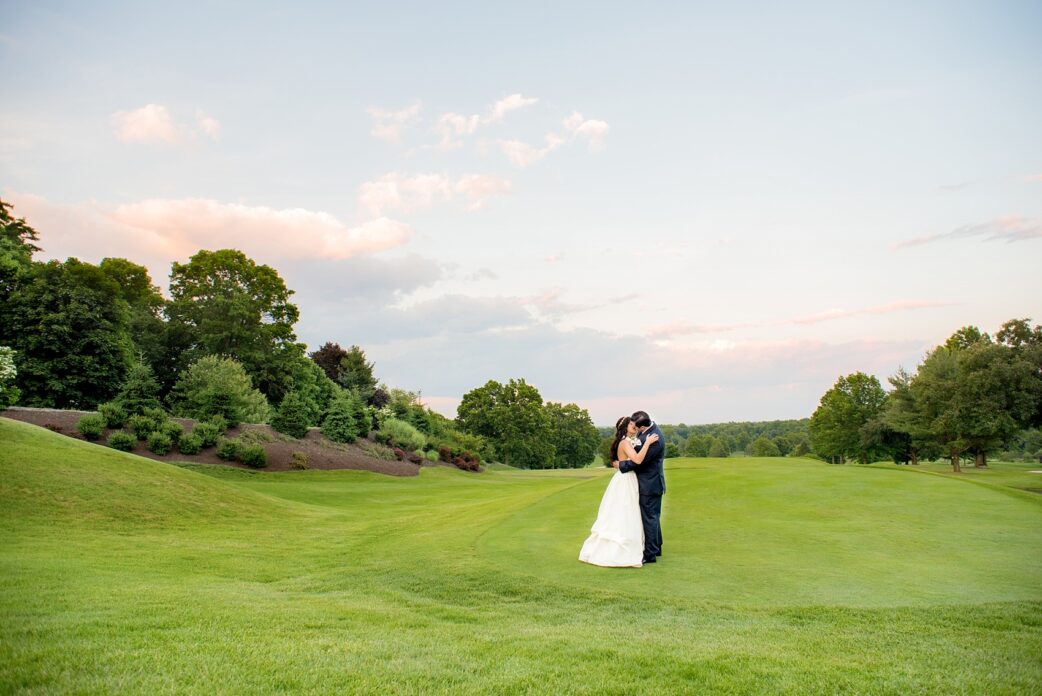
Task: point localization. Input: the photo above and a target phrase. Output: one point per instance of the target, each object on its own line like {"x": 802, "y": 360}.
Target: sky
{"x": 709, "y": 211}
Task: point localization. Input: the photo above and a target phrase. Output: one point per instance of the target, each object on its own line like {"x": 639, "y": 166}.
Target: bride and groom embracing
{"x": 627, "y": 531}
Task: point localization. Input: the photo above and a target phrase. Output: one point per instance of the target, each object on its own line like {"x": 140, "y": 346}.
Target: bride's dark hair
{"x": 621, "y": 427}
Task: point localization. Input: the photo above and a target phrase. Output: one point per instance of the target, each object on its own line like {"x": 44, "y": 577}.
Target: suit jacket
{"x": 651, "y": 479}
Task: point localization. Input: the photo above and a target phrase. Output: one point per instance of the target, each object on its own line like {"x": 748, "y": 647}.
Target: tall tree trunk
{"x": 915, "y": 457}
{"x": 982, "y": 461}
{"x": 955, "y": 463}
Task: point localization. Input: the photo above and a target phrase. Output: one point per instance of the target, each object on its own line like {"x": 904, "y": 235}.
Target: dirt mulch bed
{"x": 320, "y": 452}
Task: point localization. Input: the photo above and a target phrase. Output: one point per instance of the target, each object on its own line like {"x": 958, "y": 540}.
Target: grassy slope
{"x": 121, "y": 574}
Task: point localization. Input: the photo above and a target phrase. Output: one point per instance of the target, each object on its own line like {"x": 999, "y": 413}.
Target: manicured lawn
{"x": 124, "y": 575}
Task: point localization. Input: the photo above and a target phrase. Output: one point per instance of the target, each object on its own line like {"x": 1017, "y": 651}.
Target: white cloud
{"x": 396, "y": 191}
{"x": 524, "y": 155}
{"x": 210, "y": 126}
{"x": 504, "y": 106}
{"x": 388, "y": 125}
{"x": 592, "y": 130}
{"x": 153, "y": 123}
{"x": 149, "y": 124}
{"x": 452, "y": 126}
{"x": 478, "y": 188}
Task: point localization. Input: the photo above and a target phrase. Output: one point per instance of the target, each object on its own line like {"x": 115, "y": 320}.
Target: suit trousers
{"x": 650, "y": 512}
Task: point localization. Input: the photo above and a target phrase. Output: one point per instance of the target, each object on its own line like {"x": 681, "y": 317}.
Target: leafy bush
{"x": 402, "y": 434}
{"x": 227, "y": 449}
{"x": 215, "y": 386}
{"x": 114, "y": 414}
{"x": 416, "y": 457}
{"x": 432, "y": 457}
{"x": 122, "y": 440}
{"x": 292, "y": 416}
{"x": 445, "y": 454}
{"x": 253, "y": 456}
{"x": 343, "y": 418}
{"x": 159, "y": 442}
{"x": 465, "y": 464}
{"x": 299, "y": 460}
{"x": 399, "y": 454}
{"x": 173, "y": 430}
{"x": 90, "y": 426}
{"x": 207, "y": 432}
{"x": 141, "y": 426}
{"x": 150, "y": 420}
{"x": 190, "y": 444}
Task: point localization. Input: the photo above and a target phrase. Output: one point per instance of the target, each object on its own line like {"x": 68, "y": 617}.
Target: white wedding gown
{"x": 617, "y": 537}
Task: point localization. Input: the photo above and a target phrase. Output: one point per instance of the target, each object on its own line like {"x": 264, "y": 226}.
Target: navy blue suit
{"x": 651, "y": 482}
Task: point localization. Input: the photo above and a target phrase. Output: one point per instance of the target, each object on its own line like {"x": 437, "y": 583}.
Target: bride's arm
{"x": 635, "y": 456}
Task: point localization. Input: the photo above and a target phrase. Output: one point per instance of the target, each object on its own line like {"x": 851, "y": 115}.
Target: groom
{"x": 651, "y": 481}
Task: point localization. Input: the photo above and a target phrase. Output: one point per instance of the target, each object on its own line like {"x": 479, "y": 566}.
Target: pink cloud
{"x": 151, "y": 123}
{"x": 156, "y": 231}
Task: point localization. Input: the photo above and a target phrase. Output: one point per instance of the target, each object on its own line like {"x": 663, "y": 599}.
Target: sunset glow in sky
{"x": 709, "y": 212}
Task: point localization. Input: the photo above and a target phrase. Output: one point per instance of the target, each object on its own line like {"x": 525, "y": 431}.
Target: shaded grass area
{"x": 126, "y": 575}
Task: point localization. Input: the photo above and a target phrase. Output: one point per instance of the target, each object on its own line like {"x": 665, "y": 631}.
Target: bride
{"x": 617, "y": 537}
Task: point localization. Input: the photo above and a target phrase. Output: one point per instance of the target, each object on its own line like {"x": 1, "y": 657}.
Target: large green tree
{"x": 572, "y": 434}
{"x": 16, "y": 248}
{"x": 512, "y": 418}
{"x": 835, "y": 427}
{"x": 148, "y": 327}
{"x": 69, "y": 324}
{"x": 223, "y": 303}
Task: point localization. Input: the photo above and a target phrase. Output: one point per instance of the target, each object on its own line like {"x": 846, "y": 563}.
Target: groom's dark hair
{"x": 641, "y": 419}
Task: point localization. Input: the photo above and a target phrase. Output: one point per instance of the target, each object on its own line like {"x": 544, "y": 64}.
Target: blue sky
{"x": 706, "y": 211}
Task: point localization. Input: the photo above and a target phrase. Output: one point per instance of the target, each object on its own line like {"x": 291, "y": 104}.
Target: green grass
{"x": 124, "y": 575}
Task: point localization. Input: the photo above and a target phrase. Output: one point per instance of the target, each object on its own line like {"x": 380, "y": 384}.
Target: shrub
{"x": 114, "y": 414}
{"x": 150, "y": 420}
{"x": 207, "y": 432}
{"x": 402, "y": 434}
{"x": 465, "y": 464}
{"x": 299, "y": 460}
{"x": 9, "y": 393}
{"x": 399, "y": 454}
{"x": 140, "y": 390}
{"x": 215, "y": 386}
{"x": 159, "y": 442}
{"x": 416, "y": 457}
{"x": 253, "y": 456}
{"x": 190, "y": 444}
{"x": 227, "y": 449}
{"x": 173, "y": 430}
{"x": 445, "y": 454}
{"x": 432, "y": 457}
{"x": 141, "y": 426}
{"x": 342, "y": 419}
{"x": 90, "y": 426}
{"x": 122, "y": 440}
{"x": 292, "y": 416}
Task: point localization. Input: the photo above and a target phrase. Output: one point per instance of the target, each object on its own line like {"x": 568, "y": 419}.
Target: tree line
{"x": 75, "y": 335}
{"x": 969, "y": 398}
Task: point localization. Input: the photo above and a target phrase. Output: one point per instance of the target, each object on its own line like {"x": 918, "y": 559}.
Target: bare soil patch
{"x": 319, "y": 452}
